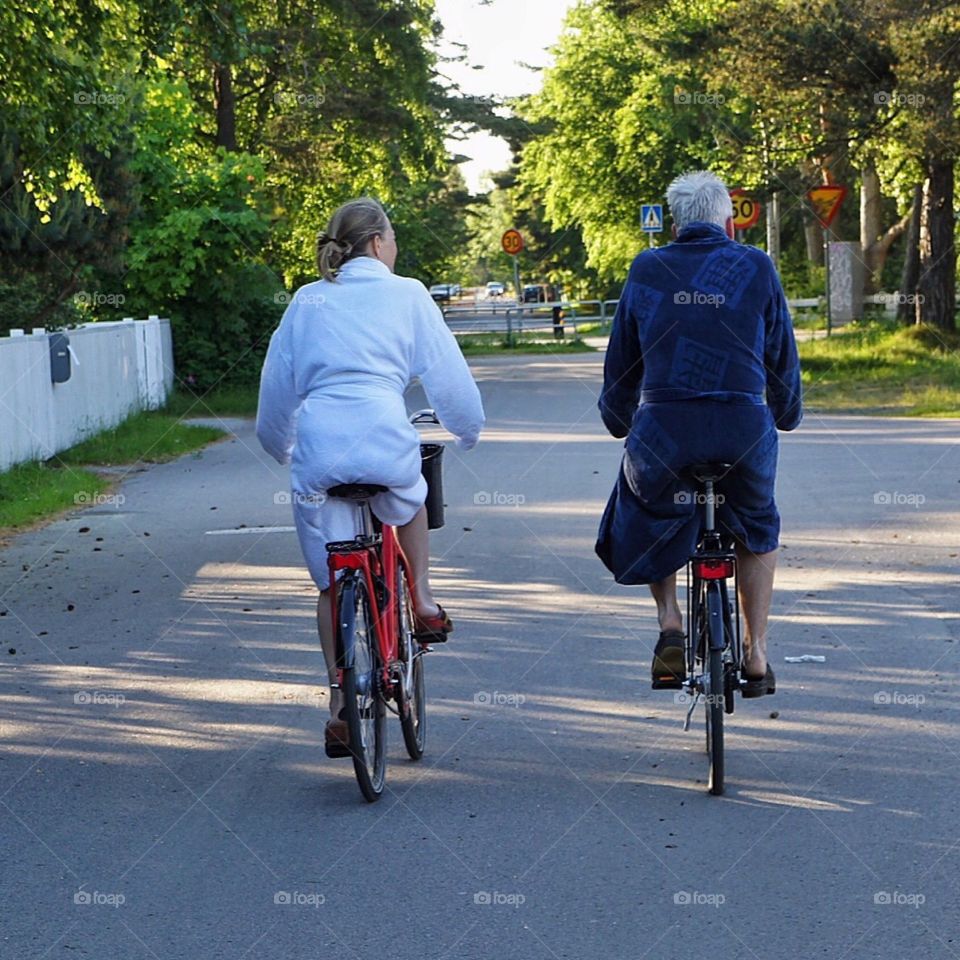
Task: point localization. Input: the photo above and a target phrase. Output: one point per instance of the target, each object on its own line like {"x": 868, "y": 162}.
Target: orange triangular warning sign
{"x": 826, "y": 202}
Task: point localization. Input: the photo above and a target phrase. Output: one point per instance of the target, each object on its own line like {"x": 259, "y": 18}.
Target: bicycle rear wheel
{"x": 411, "y": 695}
{"x": 715, "y": 694}
{"x": 364, "y": 708}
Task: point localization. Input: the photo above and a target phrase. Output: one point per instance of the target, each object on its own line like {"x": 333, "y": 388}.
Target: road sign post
{"x": 512, "y": 243}
{"x": 826, "y": 202}
{"x": 651, "y": 219}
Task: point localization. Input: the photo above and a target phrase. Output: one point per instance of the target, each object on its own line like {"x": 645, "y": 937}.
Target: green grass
{"x": 33, "y": 491}
{"x": 152, "y": 437}
{"x": 879, "y": 368}
{"x": 495, "y": 344}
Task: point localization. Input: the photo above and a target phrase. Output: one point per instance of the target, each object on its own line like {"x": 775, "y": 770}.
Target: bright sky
{"x": 499, "y": 36}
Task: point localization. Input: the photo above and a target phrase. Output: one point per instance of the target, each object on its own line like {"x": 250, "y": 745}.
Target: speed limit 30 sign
{"x": 746, "y": 210}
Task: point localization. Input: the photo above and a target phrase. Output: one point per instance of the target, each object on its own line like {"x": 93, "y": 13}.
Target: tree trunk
{"x": 813, "y": 234}
{"x": 225, "y": 105}
{"x": 936, "y": 287}
{"x": 911, "y": 261}
{"x": 870, "y": 226}
{"x": 773, "y": 228}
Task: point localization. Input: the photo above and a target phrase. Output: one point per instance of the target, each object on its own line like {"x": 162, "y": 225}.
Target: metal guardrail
{"x": 513, "y": 319}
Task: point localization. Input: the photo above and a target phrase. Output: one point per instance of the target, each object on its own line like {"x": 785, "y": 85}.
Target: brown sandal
{"x": 337, "y": 738}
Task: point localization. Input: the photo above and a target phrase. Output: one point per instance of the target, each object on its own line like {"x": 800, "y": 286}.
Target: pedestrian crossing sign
{"x": 651, "y": 217}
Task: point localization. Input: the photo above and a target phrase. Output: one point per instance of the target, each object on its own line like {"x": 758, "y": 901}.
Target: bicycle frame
{"x": 713, "y": 562}
{"x": 376, "y": 556}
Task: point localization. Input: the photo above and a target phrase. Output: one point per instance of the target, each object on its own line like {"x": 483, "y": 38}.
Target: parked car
{"x": 442, "y": 292}
{"x": 495, "y": 289}
{"x": 541, "y": 293}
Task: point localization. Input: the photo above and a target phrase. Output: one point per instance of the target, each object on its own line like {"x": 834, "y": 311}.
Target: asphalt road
{"x": 163, "y": 788}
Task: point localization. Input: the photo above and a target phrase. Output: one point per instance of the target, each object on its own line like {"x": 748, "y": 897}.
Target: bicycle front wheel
{"x": 364, "y": 707}
{"x": 411, "y": 694}
{"x": 715, "y": 694}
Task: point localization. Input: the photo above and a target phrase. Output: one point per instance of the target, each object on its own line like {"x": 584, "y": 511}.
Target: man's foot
{"x": 337, "y": 738}
{"x": 761, "y": 686}
{"x": 668, "y": 666}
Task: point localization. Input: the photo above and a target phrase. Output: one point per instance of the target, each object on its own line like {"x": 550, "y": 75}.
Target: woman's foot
{"x": 337, "y": 738}
{"x": 432, "y": 627}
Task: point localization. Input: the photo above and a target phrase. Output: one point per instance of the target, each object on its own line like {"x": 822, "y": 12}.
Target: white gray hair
{"x": 699, "y": 195}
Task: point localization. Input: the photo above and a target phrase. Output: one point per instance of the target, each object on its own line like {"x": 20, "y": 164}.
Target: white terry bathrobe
{"x": 331, "y": 398}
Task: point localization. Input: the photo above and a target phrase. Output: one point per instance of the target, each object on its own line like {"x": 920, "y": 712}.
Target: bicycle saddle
{"x": 356, "y": 491}
{"x": 710, "y": 471}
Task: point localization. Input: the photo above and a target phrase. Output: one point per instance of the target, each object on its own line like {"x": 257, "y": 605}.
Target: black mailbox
{"x": 59, "y": 357}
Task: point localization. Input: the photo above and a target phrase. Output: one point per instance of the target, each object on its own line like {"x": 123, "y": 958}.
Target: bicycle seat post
{"x": 710, "y": 505}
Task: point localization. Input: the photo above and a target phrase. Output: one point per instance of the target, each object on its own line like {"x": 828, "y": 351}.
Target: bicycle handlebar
{"x": 424, "y": 416}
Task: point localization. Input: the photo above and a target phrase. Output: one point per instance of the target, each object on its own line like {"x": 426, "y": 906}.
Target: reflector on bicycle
{"x": 716, "y": 568}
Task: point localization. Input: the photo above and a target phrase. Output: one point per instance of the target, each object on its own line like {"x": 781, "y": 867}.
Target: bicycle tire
{"x": 716, "y": 694}
{"x": 364, "y": 707}
{"x": 411, "y": 691}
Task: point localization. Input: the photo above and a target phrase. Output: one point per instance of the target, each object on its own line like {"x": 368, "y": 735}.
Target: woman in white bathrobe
{"x": 332, "y": 403}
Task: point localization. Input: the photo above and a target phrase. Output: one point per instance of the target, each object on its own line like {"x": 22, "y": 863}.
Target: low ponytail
{"x": 348, "y": 233}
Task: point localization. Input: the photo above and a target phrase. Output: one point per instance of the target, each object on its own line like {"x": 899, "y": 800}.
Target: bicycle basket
{"x": 431, "y": 465}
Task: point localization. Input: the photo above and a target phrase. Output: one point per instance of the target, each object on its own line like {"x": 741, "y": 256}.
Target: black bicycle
{"x": 713, "y": 645}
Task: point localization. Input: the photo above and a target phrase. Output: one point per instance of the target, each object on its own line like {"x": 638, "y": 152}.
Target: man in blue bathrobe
{"x": 702, "y": 366}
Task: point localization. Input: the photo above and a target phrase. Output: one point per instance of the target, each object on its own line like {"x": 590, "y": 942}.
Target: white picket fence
{"x": 116, "y": 369}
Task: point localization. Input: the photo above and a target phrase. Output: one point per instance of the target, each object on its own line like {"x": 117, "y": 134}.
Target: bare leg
{"x": 668, "y": 610}
{"x": 414, "y": 540}
{"x": 755, "y": 580}
{"x": 328, "y": 643}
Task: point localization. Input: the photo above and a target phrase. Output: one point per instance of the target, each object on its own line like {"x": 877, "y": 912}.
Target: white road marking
{"x": 223, "y": 533}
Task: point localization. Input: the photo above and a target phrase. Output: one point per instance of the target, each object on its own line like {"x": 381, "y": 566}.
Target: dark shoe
{"x": 432, "y": 629}
{"x": 752, "y": 687}
{"x": 337, "y": 738}
{"x": 668, "y": 668}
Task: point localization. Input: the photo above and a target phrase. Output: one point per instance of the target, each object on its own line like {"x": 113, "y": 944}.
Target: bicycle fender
{"x": 346, "y": 619}
{"x": 715, "y": 608}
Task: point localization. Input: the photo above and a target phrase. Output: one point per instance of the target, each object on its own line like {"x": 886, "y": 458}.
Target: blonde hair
{"x": 350, "y": 229}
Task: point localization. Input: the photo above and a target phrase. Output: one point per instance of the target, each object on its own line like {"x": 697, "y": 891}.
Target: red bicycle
{"x": 379, "y": 655}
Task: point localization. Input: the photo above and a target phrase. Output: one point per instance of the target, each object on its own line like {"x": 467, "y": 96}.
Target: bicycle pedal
{"x": 665, "y": 684}
{"x": 337, "y": 750}
{"x": 430, "y": 637}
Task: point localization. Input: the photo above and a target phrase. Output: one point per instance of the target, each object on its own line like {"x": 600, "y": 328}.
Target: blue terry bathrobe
{"x": 701, "y": 366}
